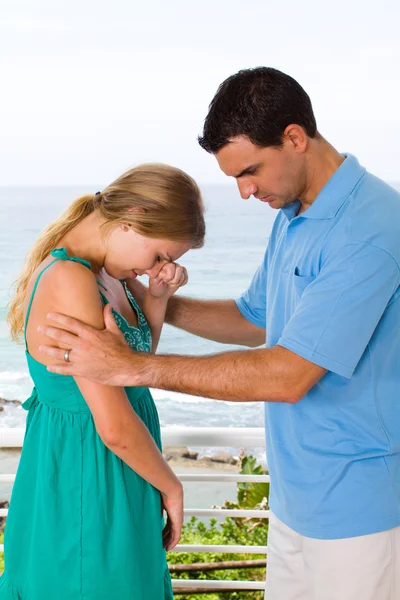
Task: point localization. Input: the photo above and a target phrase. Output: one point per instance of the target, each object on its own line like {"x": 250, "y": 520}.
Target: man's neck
{"x": 323, "y": 161}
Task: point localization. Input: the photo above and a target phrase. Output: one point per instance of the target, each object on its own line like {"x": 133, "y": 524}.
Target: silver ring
{"x": 66, "y": 355}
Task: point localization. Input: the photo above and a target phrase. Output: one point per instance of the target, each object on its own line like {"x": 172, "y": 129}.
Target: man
{"x": 328, "y": 295}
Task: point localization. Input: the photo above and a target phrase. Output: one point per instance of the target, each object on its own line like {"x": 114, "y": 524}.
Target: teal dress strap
{"x": 102, "y": 296}
{"x": 62, "y": 254}
{"x": 131, "y": 298}
{"x": 28, "y": 310}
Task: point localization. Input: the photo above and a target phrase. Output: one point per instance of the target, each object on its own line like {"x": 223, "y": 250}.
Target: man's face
{"x": 273, "y": 175}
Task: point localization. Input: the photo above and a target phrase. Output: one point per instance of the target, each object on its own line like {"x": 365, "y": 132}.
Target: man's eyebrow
{"x": 247, "y": 170}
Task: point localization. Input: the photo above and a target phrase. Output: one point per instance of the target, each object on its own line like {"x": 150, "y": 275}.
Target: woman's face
{"x": 129, "y": 254}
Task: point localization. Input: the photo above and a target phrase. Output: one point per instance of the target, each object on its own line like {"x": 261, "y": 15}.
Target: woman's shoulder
{"x": 64, "y": 276}
{"x": 65, "y": 287}
{"x": 66, "y": 270}
{"x": 69, "y": 287}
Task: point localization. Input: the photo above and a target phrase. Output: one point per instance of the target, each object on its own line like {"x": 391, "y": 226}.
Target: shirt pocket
{"x": 300, "y": 283}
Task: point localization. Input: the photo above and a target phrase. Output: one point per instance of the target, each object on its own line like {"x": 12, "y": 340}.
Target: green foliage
{"x": 231, "y": 531}
{"x": 227, "y": 532}
{"x": 251, "y": 495}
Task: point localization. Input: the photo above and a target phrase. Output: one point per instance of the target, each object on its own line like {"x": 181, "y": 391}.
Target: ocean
{"x": 237, "y": 235}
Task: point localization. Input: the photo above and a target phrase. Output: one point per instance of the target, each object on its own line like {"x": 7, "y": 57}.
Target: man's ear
{"x": 296, "y": 137}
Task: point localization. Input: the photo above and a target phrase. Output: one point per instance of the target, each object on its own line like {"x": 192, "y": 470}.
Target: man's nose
{"x": 246, "y": 189}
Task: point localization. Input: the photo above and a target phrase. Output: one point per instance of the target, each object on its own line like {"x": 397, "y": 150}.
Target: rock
{"x": 179, "y": 452}
{"x": 5, "y": 401}
{"x": 181, "y": 456}
{"x": 190, "y": 454}
{"x": 224, "y": 457}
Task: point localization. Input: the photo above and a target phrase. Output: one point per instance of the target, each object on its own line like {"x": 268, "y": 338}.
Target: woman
{"x": 85, "y": 518}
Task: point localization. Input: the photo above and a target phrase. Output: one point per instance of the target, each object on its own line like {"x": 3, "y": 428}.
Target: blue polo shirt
{"x": 328, "y": 290}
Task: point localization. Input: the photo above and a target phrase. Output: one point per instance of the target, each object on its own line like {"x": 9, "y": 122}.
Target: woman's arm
{"x": 154, "y": 310}
{"x": 71, "y": 288}
{"x": 153, "y": 300}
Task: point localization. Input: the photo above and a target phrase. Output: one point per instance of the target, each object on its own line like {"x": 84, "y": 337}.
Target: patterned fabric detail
{"x": 137, "y": 339}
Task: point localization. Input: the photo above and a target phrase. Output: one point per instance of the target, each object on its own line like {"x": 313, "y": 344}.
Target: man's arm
{"x": 269, "y": 374}
{"x": 264, "y": 375}
{"x": 217, "y": 320}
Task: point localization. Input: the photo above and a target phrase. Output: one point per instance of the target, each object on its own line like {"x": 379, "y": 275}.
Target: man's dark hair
{"x": 258, "y": 103}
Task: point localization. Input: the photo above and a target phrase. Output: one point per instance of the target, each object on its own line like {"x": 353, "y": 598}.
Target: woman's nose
{"x": 153, "y": 272}
{"x": 155, "y": 269}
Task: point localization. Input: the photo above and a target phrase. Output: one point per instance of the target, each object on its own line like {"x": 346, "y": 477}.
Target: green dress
{"x": 82, "y": 525}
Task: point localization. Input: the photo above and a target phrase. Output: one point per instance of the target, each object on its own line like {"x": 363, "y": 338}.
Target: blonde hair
{"x": 169, "y": 206}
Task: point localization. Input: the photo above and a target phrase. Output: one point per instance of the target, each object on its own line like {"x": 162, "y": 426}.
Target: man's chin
{"x": 273, "y": 201}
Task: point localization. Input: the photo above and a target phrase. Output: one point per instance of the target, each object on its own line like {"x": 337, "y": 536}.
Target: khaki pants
{"x": 360, "y": 568}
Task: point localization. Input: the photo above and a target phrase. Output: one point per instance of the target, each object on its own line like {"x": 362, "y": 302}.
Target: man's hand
{"x": 101, "y": 356}
{"x": 169, "y": 279}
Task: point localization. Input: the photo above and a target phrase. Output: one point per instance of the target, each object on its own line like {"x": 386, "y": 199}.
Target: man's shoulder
{"x": 370, "y": 186}
{"x": 371, "y": 215}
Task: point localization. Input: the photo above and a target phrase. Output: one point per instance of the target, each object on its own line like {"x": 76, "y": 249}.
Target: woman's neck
{"x": 85, "y": 241}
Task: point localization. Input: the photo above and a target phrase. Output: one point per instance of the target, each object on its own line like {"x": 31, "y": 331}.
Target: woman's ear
{"x": 136, "y": 209}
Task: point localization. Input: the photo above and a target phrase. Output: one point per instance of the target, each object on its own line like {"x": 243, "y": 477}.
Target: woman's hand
{"x": 169, "y": 279}
{"x": 173, "y": 505}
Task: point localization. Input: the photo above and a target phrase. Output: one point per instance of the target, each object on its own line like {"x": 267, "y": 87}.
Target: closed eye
{"x": 166, "y": 258}
{"x": 252, "y": 170}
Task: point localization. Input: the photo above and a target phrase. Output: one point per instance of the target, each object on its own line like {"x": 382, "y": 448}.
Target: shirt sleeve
{"x": 339, "y": 310}
{"x": 252, "y": 303}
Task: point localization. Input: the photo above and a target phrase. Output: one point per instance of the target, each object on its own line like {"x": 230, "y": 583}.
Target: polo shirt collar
{"x": 333, "y": 194}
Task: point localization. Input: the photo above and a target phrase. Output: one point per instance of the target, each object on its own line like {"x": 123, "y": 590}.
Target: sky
{"x": 90, "y": 88}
